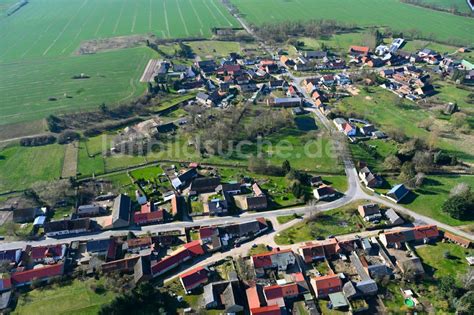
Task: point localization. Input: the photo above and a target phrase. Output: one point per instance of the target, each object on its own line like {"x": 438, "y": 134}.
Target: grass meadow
{"x": 39, "y": 41}
{"x": 391, "y": 13}
{"x": 22, "y": 166}
{"x": 380, "y": 108}
{"x": 459, "y": 5}
{"x": 74, "y": 298}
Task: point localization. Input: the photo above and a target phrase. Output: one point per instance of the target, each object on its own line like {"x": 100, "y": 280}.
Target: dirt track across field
{"x": 70, "y": 160}
{"x": 150, "y": 70}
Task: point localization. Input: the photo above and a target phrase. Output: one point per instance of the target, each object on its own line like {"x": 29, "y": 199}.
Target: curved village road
{"x": 354, "y": 193}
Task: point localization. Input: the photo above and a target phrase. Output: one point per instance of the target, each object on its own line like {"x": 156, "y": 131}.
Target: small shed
{"x": 338, "y": 301}
{"x": 39, "y": 221}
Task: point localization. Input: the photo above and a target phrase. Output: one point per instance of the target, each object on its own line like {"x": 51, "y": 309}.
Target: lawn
{"x": 214, "y": 49}
{"x": 147, "y": 173}
{"x": 459, "y": 5}
{"x": 87, "y": 165}
{"x": 437, "y": 266}
{"x": 428, "y": 200}
{"x": 39, "y": 51}
{"x": 380, "y": 108}
{"x": 277, "y": 187}
{"x": 373, "y": 152}
{"x": 337, "y": 182}
{"x": 286, "y": 218}
{"x": 362, "y": 13}
{"x": 339, "y": 221}
{"x": 433, "y": 256}
{"x": 197, "y": 207}
{"x": 122, "y": 183}
{"x": 74, "y": 298}
{"x": 259, "y": 249}
{"x": 114, "y": 78}
{"x": 22, "y": 166}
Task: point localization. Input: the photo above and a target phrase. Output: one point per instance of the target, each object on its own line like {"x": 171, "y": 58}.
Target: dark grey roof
{"x": 142, "y": 269}
{"x": 5, "y": 299}
{"x": 205, "y": 184}
{"x": 393, "y": 217}
{"x": 97, "y": 245}
{"x": 67, "y": 225}
{"x": 121, "y": 210}
{"x": 187, "y": 176}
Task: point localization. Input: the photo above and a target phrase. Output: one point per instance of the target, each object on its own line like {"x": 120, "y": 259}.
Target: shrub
{"x": 37, "y": 141}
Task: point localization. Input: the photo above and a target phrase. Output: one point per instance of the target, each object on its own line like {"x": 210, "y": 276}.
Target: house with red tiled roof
{"x": 276, "y": 294}
{"x": 419, "y": 234}
{"x": 188, "y": 251}
{"x": 41, "y": 274}
{"x": 206, "y": 233}
{"x": 357, "y": 51}
{"x": 137, "y": 244}
{"x": 276, "y": 259}
{"x": 266, "y": 310}
{"x": 318, "y": 250}
{"x": 5, "y": 282}
{"x": 122, "y": 265}
{"x": 46, "y": 253}
{"x": 143, "y": 218}
{"x": 194, "y": 247}
{"x": 253, "y": 297}
{"x": 194, "y": 278}
{"x": 325, "y": 285}
{"x": 461, "y": 241}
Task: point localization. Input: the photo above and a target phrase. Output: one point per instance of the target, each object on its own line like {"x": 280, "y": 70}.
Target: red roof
{"x": 328, "y": 282}
{"x": 194, "y": 247}
{"x": 324, "y": 248}
{"x": 138, "y": 242}
{"x": 281, "y": 291}
{"x": 426, "y": 231}
{"x": 5, "y": 284}
{"x": 194, "y": 277}
{"x": 457, "y": 239}
{"x": 190, "y": 249}
{"x": 174, "y": 204}
{"x": 24, "y": 277}
{"x": 252, "y": 297}
{"x": 207, "y": 231}
{"x": 46, "y": 251}
{"x": 360, "y": 49}
{"x": 147, "y": 207}
{"x": 267, "y": 62}
{"x": 265, "y": 259}
{"x": 170, "y": 261}
{"x": 414, "y": 234}
{"x": 266, "y": 310}
{"x": 347, "y": 127}
{"x": 148, "y": 217}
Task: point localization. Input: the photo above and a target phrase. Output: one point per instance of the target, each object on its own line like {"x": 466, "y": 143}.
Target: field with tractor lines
{"x": 39, "y": 44}
{"x": 391, "y": 13}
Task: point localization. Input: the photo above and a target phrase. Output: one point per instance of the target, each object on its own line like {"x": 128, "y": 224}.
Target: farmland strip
{"x": 64, "y": 29}
{"x": 182, "y": 18}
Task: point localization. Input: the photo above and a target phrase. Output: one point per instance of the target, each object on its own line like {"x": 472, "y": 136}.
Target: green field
{"x": 392, "y": 13}
{"x": 428, "y": 200}
{"x": 26, "y": 86}
{"x": 22, "y": 166}
{"x": 339, "y": 221}
{"x": 38, "y": 50}
{"x": 455, "y": 265}
{"x": 380, "y": 108}
{"x": 74, "y": 298}
{"x": 459, "y": 5}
